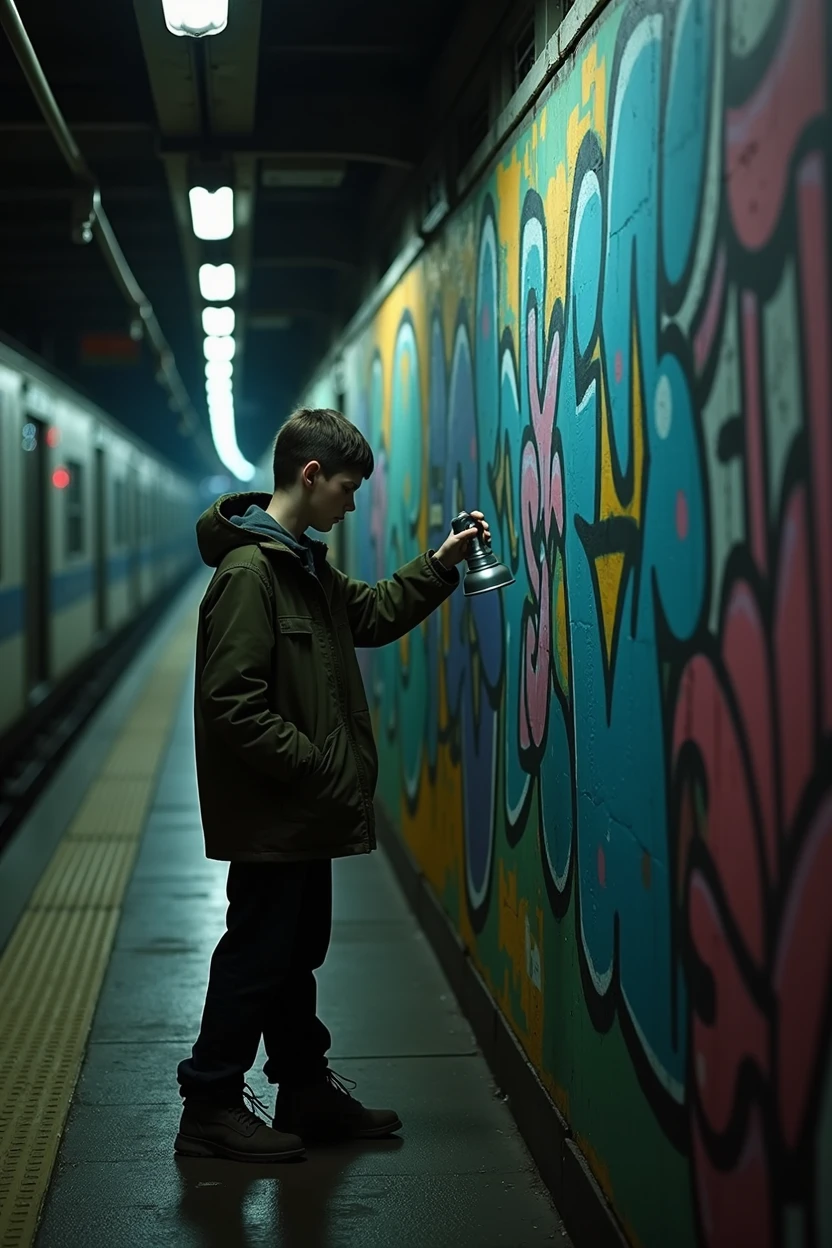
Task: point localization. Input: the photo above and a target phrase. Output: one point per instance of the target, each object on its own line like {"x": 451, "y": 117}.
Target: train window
{"x": 74, "y": 503}
{"x": 120, "y": 511}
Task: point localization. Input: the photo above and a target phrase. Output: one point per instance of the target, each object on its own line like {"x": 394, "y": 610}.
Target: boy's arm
{"x": 233, "y": 689}
{"x": 379, "y": 614}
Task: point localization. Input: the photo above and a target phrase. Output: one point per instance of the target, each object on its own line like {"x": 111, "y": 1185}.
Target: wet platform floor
{"x": 458, "y": 1175}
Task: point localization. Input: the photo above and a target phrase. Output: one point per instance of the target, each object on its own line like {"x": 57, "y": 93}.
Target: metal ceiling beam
{"x": 170, "y": 70}
{"x": 96, "y": 218}
{"x": 307, "y": 260}
{"x": 384, "y": 51}
{"x": 18, "y": 194}
{"x": 143, "y": 230}
{"x": 382, "y": 132}
{"x": 78, "y": 127}
{"x": 281, "y": 313}
{"x": 319, "y": 237}
{"x": 233, "y": 62}
{"x": 33, "y": 148}
{"x": 299, "y": 295}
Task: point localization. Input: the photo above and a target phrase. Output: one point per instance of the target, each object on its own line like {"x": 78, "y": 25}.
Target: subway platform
{"x": 108, "y": 915}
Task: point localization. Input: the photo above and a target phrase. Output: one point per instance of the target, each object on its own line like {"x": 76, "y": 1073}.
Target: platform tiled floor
{"x": 459, "y": 1175}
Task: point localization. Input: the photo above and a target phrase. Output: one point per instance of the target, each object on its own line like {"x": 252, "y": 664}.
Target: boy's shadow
{"x": 292, "y": 1205}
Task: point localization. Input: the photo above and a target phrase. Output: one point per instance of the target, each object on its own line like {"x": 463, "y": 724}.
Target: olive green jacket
{"x": 285, "y": 756}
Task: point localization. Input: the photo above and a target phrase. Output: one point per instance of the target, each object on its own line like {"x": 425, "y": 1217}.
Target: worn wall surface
{"x": 616, "y": 774}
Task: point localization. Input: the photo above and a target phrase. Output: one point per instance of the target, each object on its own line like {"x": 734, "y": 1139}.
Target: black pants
{"x": 262, "y": 981}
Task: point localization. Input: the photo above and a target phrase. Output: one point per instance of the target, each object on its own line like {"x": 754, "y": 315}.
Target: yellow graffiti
{"x": 522, "y": 940}
{"x": 594, "y": 90}
{"x": 609, "y": 570}
{"x": 450, "y": 308}
{"x": 611, "y": 567}
{"x": 508, "y": 226}
{"x": 577, "y": 127}
{"x": 431, "y": 832}
{"x": 408, "y": 296}
{"x": 434, "y": 832}
{"x": 591, "y": 113}
{"x": 556, "y": 209}
{"x": 610, "y": 504}
{"x": 501, "y": 487}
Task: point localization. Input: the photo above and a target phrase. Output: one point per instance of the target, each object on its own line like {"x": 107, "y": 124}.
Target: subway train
{"x": 94, "y": 527}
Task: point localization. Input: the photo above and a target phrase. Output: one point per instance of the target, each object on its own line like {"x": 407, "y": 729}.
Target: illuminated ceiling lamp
{"x": 219, "y": 348}
{"x": 223, "y": 432}
{"x": 212, "y": 212}
{"x": 219, "y": 392}
{"x": 196, "y": 18}
{"x": 217, "y": 282}
{"x": 218, "y": 322}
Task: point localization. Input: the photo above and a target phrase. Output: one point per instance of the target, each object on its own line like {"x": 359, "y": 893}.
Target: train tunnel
{"x": 526, "y": 834}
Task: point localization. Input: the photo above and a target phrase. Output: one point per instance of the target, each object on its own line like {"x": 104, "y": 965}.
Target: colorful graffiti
{"x": 616, "y": 774}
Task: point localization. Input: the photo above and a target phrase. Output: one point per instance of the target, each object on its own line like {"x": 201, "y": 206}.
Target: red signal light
{"x": 60, "y": 478}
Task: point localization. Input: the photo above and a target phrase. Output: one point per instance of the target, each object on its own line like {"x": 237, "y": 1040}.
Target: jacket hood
{"x": 217, "y": 535}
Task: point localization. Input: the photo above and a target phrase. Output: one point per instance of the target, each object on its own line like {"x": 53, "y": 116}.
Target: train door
{"x": 101, "y": 528}
{"x": 38, "y": 515}
{"x": 134, "y": 564}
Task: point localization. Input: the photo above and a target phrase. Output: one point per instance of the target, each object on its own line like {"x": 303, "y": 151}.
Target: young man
{"x": 287, "y": 768}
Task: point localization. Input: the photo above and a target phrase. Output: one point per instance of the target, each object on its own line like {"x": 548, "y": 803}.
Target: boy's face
{"x": 329, "y": 498}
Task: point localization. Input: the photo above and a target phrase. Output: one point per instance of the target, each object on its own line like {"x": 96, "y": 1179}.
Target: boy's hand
{"x": 455, "y": 546}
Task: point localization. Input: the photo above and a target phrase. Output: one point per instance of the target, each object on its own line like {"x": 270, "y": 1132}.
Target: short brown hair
{"x": 322, "y": 434}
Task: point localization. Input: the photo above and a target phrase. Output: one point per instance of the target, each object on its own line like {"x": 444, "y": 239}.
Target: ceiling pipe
{"x": 97, "y": 221}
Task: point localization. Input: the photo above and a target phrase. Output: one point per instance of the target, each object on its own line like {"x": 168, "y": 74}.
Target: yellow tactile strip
{"x": 52, "y": 968}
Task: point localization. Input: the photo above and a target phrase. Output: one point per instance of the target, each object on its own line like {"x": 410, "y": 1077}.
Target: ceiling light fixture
{"x": 217, "y": 282}
{"x": 216, "y": 408}
{"x": 219, "y": 348}
{"x": 212, "y": 212}
{"x": 218, "y": 321}
{"x": 225, "y": 442}
{"x": 219, "y": 392}
{"x": 195, "y": 17}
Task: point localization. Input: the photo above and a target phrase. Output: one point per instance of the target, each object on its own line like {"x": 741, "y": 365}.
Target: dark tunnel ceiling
{"x": 331, "y": 77}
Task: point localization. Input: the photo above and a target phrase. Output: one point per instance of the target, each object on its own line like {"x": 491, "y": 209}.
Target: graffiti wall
{"x": 616, "y": 774}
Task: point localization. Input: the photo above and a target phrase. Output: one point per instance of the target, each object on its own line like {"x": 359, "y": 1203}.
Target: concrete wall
{"x": 616, "y": 774}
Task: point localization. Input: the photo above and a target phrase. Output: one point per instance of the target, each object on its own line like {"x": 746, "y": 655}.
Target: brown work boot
{"x": 324, "y": 1111}
{"x": 234, "y": 1132}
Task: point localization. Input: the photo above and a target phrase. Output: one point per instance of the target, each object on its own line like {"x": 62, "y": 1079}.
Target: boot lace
{"x": 245, "y": 1113}
{"x": 339, "y": 1082}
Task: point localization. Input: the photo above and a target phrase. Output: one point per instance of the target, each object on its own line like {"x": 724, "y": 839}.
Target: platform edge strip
{"x": 53, "y": 967}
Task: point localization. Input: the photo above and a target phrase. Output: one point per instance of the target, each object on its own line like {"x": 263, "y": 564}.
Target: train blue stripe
{"x": 67, "y": 588}
{"x": 11, "y": 612}
{"x": 117, "y": 567}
